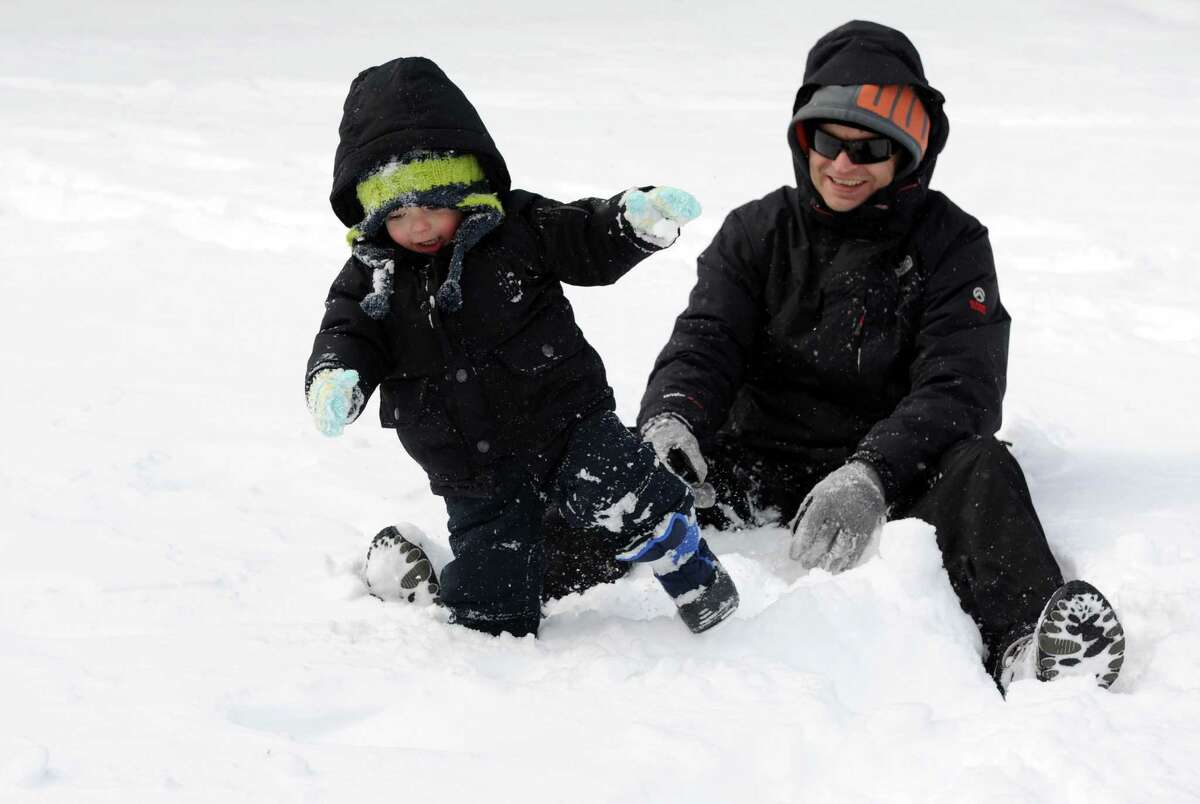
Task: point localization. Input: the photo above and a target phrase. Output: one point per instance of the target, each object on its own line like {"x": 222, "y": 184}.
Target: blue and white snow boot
{"x": 689, "y": 572}
{"x": 1077, "y": 634}
{"x": 398, "y": 569}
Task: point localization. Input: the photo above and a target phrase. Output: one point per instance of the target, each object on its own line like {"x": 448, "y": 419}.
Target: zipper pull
{"x": 858, "y": 330}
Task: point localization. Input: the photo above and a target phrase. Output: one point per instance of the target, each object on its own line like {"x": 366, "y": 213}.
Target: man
{"x": 842, "y": 359}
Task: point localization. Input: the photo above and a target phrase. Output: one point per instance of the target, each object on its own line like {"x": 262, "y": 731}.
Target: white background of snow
{"x": 180, "y": 614}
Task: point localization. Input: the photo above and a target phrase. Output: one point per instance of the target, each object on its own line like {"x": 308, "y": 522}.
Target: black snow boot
{"x": 688, "y": 571}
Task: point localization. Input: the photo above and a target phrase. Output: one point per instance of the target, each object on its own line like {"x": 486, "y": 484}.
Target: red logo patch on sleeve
{"x": 977, "y": 303}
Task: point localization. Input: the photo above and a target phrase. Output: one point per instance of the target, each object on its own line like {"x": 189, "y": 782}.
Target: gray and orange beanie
{"x": 892, "y": 110}
{"x": 444, "y": 179}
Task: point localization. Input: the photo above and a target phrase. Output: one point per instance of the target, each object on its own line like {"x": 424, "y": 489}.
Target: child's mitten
{"x": 334, "y": 399}
{"x": 656, "y": 214}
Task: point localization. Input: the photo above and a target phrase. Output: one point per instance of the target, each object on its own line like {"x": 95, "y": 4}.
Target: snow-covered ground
{"x": 181, "y": 615}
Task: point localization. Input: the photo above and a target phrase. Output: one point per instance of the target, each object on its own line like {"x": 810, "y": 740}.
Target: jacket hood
{"x": 405, "y": 105}
{"x": 862, "y": 52}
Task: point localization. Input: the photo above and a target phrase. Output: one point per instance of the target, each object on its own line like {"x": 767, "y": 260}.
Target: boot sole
{"x": 419, "y": 575}
{"x": 1079, "y": 634}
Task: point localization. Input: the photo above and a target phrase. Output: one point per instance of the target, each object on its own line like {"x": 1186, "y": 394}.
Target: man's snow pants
{"x": 993, "y": 546}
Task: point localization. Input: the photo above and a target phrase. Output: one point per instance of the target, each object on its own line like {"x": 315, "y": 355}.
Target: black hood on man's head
{"x": 869, "y": 53}
{"x": 405, "y": 105}
{"x": 862, "y": 53}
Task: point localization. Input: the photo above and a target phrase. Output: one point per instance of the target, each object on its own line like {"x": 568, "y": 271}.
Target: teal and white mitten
{"x": 334, "y": 399}
{"x": 657, "y": 214}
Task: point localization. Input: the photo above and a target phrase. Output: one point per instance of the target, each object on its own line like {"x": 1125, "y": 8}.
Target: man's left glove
{"x": 676, "y": 446}
{"x": 656, "y": 214}
{"x": 334, "y": 399}
{"x": 678, "y": 450}
{"x": 838, "y": 518}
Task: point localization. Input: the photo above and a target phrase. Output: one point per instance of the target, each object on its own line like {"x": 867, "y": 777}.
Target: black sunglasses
{"x": 860, "y": 152}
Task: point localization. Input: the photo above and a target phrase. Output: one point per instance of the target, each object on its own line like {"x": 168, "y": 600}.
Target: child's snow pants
{"x": 605, "y": 484}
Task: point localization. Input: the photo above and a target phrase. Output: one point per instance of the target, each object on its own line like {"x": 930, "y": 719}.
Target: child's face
{"x": 423, "y": 229}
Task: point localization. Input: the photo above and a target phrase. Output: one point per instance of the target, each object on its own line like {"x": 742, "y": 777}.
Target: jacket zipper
{"x": 858, "y": 337}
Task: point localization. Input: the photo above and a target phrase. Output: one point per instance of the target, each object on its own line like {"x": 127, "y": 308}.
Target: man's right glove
{"x": 678, "y": 450}
{"x": 334, "y": 399}
{"x": 656, "y": 214}
{"x": 838, "y": 518}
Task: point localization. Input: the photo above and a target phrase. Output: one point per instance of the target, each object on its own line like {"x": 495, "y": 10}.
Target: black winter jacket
{"x": 876, "y": 334}
{"x": 510, "y": 371}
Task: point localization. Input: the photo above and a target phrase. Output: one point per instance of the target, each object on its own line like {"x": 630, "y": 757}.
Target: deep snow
{"x": 181, "y": 614}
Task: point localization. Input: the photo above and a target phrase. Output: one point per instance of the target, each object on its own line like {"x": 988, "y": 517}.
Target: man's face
{"x": 842, "y": 184}
{"x": 421, "y": 229}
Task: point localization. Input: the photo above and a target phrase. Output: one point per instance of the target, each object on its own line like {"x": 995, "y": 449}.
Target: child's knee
{"x": 630, "y": 491}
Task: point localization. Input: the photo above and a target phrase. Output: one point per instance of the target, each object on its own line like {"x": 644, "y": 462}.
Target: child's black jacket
{"x": 510, "y": 371}
{"x": 507, "y": 373}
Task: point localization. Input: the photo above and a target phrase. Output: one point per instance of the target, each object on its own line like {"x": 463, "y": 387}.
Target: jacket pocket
{"x": 546, "y": 342}
{"x": 401, "y": 400}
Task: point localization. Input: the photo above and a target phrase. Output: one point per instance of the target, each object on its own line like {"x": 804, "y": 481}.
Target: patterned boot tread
{"x": 397, "y": 569}
{"x": 1079, "y": 634}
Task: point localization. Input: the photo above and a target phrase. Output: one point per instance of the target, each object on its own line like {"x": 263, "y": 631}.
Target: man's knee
{"x": 977, "y": 469}
{"x": 967, "y": 468}
{"x": 978, "y": 453}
